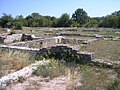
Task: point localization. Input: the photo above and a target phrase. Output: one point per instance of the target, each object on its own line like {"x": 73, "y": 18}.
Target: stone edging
{"x": 23, "y": 73}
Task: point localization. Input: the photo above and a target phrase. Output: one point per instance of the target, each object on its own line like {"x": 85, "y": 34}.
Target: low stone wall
{"x": 23, "y": 73}
{"x": 49, "y": 42}
{"x": 17, "y": 37}
{"x": 71, "y": 41}
{"x": 87, "y": 57}
{"x": 84, "y": 55}
{"x": 40, "y": 43}
{"x": 90, "y": 30}
{"x": 57, "y": 50}
{"x": 77, "y": 41}
{"x": 10, "y": 38}
{"x": 17, "y": 48}
{"x": 82, "y": 35}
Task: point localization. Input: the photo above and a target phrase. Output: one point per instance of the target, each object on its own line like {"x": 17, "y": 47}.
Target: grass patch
{"x": 54, "y": 69}
{"x": 94, "y": 78}
{"x": 107, "y": 50}
{"x": 13, "y": 61}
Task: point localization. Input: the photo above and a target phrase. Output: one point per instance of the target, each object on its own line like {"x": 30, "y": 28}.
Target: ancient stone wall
{"x": 23, "y": 73}
{"x": 10, "y": 38}
{"x": 86, "y": 57}
{"x": 56, "y": 48}
{"x": 71, "y": 41}
{"x": 40, "y": 43}
{"x": 82, "y": 35}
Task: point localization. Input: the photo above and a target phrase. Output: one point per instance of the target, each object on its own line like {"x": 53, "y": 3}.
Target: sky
{"x": 94, "y": 8}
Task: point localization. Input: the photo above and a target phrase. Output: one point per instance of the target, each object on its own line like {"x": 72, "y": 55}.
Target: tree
{"x": 118, "y": 21}
{"x": 35, "y": 15}
{"x": 18, "y": 25}
{"x": 110, "y": 21}
{"x": 21, "y": 20}
{"x": 29, "y": 17}
{"x": 54, "y": 21}
{"x": 63, "y": 21}
{"x": 80, "y": 16}
{"x": 6, "y": 21}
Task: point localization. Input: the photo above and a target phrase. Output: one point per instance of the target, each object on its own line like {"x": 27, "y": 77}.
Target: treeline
{"x": 79, "y": 18}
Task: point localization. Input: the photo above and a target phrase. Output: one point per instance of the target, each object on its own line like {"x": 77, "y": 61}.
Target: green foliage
{"x": 64, "y": 20}
{"x": 92, "y": 23}
{"x": 111, "y": 21}
{"x": 6, "y": 21}
{"x": 115, "y": 85}
{"x": 54, "y": 69}
{"x": 80, "y": 16}
{"x": 64, "y": 54}
{"x": 18, "y": 26}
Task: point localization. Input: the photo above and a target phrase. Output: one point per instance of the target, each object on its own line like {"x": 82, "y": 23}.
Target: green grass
{"x": 105, "y": 49}
{"x": 94, "y": 78}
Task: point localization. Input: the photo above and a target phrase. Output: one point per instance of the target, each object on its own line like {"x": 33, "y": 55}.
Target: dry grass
{"x": 105, "y": 49}
{"x": 70, "y": 78}
{"x": 13, "y": 60}
{"x": 94, "y": 78}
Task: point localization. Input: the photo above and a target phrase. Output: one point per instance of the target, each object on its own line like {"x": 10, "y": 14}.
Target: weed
{"x": 54, "y": 69}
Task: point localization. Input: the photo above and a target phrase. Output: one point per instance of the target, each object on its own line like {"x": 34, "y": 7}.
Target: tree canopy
{"x": 78, "y": 18}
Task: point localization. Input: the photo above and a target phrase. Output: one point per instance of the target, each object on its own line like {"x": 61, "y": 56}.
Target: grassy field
{"x": 104, "y": 49}
{"x": 96, "y": 78}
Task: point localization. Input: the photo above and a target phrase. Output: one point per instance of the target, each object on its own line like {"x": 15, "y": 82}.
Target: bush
{"x": 65, "y": 54}
{"x": 18, "y": 26}
{"x": 54, "y": 69}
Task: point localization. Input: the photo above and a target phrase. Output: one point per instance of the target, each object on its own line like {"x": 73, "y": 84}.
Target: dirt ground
{"x": 39, "y": 83}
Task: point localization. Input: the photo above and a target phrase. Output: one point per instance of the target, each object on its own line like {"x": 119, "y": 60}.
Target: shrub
{"x": 66, "y": 55}
{"x": 18, "y": 26}
{"x": 54, "y": 69}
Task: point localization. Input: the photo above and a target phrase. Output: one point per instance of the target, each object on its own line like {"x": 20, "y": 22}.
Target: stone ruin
{"x": 16, "y": 37}
{"x": 56, "y": 43}
{"x": 48, "y": 44}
